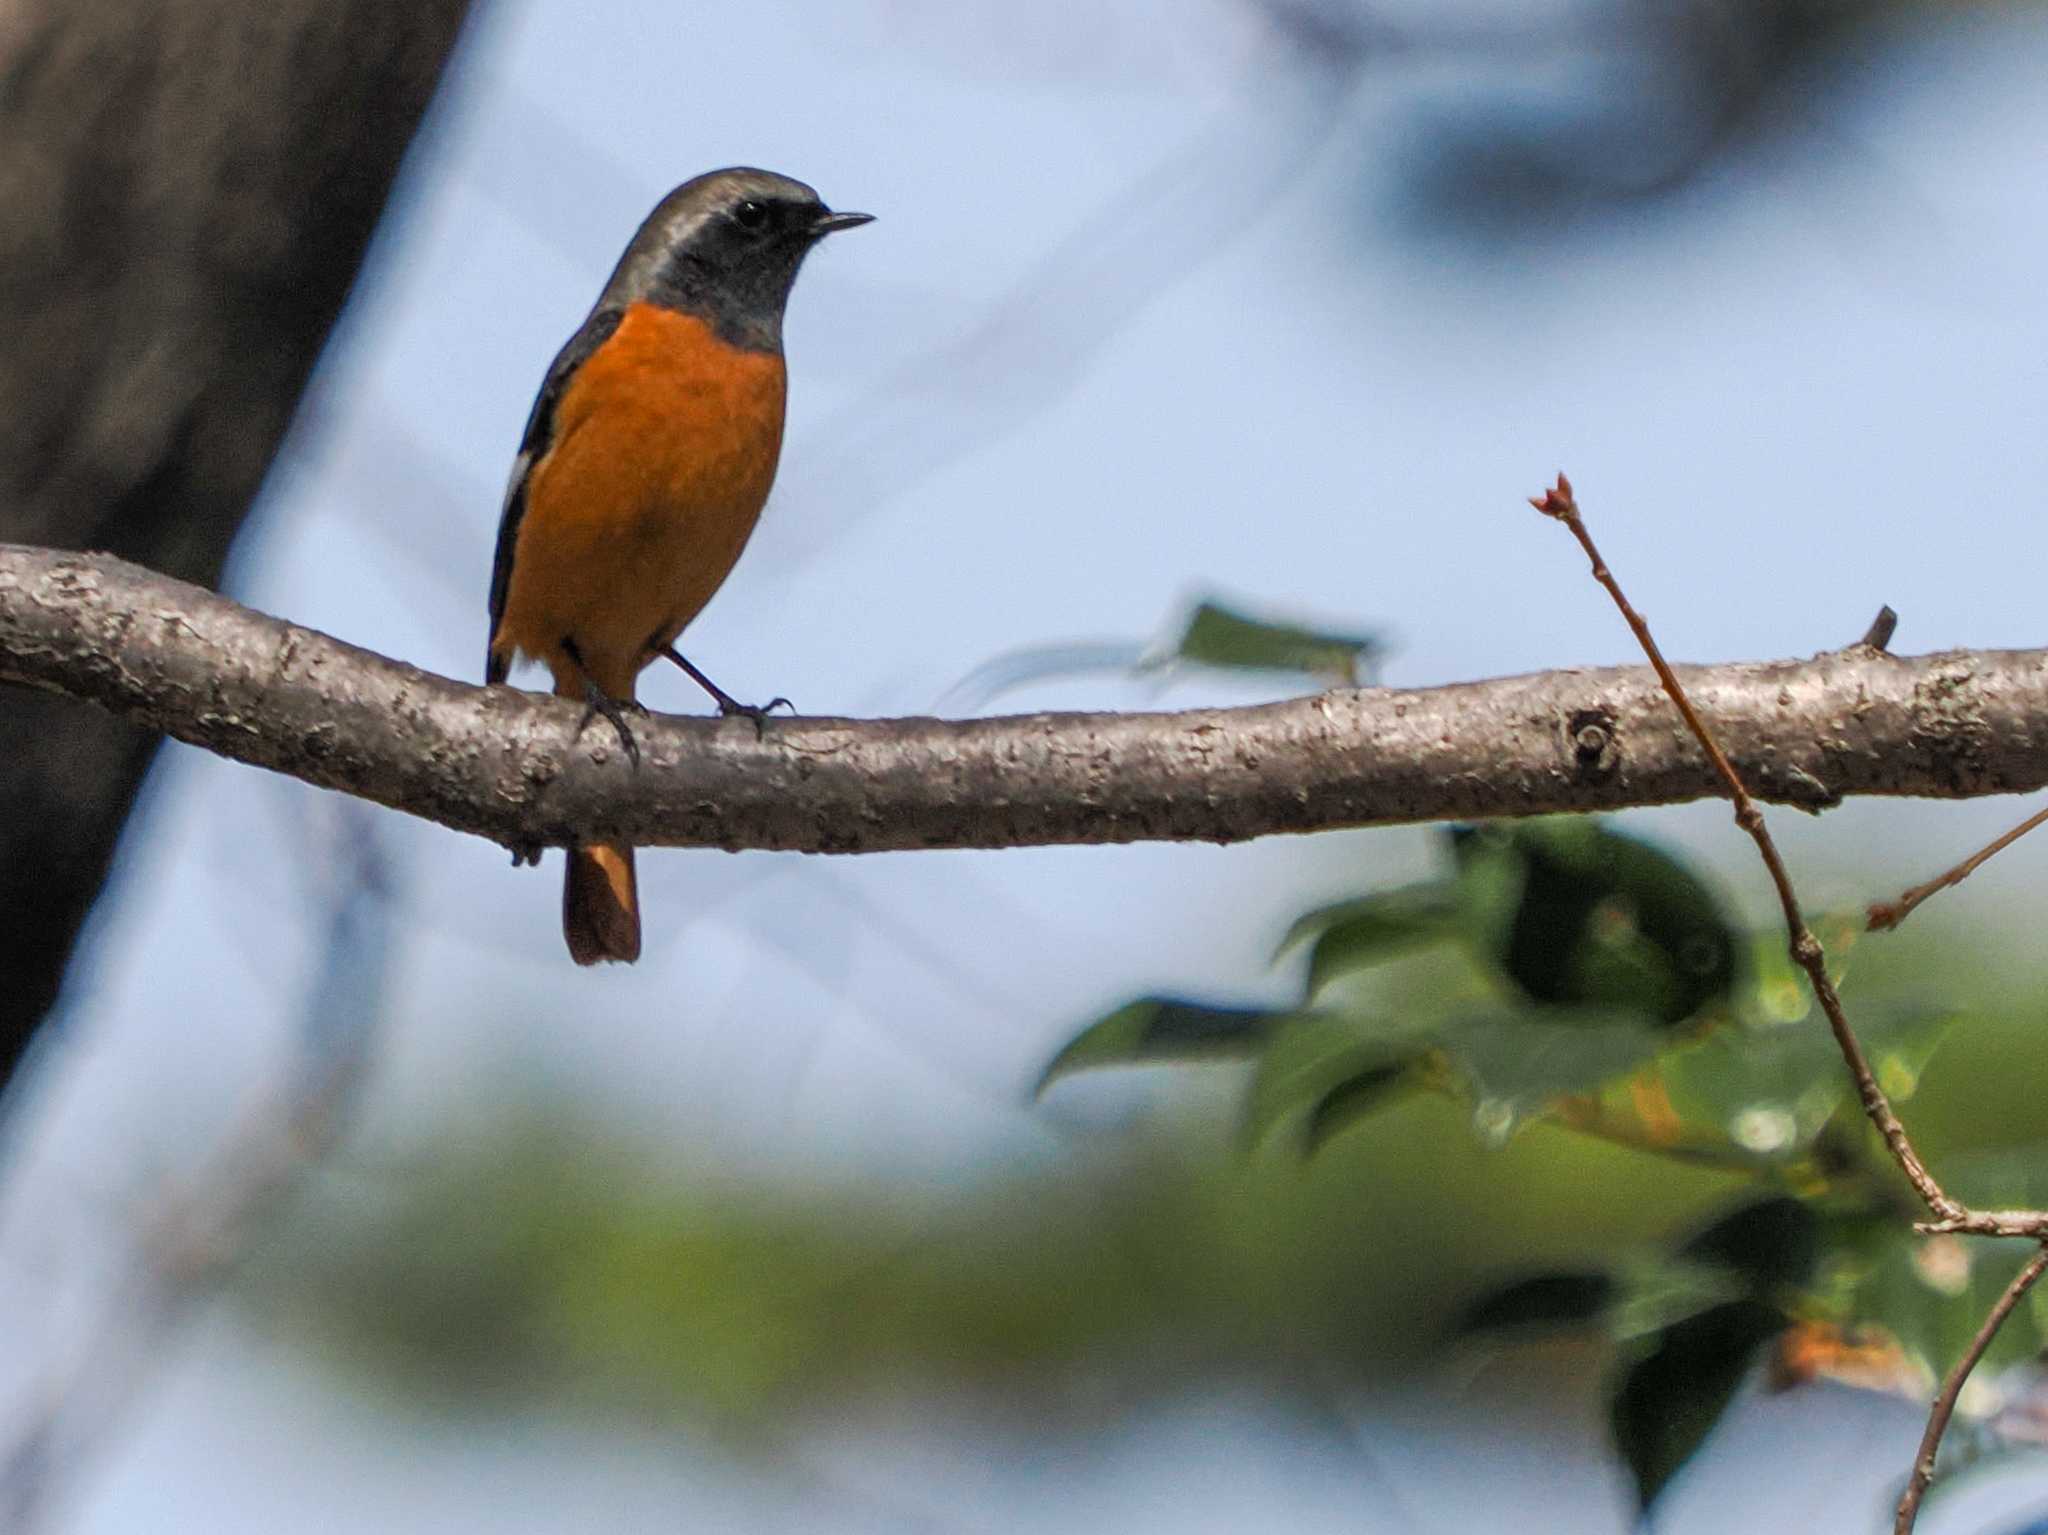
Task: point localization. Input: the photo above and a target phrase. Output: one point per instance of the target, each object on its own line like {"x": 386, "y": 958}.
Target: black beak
{"x": 831, "y": 223}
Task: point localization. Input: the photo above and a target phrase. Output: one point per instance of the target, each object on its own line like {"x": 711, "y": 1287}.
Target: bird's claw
{"x": 758, "y": 713}
{"x": 597, "y": 702}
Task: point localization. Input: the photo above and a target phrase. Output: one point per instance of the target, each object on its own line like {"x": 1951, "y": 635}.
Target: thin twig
{"x": 1952, "y": 1388}
{"x": 1559, "y": 503}
{"x": 1807, "y": 953}
{"x": 1885, "y": 915}
{"x": 2032, "y": 1224}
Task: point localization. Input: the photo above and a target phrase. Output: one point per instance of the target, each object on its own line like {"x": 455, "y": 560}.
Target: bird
{"x": 644, "y": 466}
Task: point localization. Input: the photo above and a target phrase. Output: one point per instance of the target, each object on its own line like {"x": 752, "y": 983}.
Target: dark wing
{"x": 540, "y": 427}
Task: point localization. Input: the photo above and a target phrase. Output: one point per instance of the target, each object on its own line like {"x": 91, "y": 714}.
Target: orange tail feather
{"x": 601, "y": 904}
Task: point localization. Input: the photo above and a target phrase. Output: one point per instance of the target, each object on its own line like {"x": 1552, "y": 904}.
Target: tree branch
{"x": 1805, "y": 948}
{"x": 1950, "y": 1214}
{"x": 1883, "y": 916}
{"x": 510, "y": 766}
{"x": 1952, "y": 1389}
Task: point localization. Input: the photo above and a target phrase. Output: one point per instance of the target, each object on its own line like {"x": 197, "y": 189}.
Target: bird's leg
{"x": 597, "y": 701}
{"x": 727, "y": 704}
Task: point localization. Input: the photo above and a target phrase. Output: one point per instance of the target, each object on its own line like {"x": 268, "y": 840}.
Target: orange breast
{"x": 662, "y": 451}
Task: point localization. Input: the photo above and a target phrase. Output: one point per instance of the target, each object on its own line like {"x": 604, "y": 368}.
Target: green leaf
{"x": 2011, "y": 1177}
{"x": 1770, "y": 1087}
{"x": 1355, "y": 935}
{"x": 1632, "y": 927}
{"x": 1489, "y": 869}
{"x": 1325, "y": 1071}
{"x": 1221, "y": 636}
{"x": 1540, "y": 1303}
{"x": 1598, "y": 917}
{"x": 1769, "y": 1242}
{"x": 1398, "y": 908}
{"x": 1321, "y": 1071}
{"x": 1656, "y": 1294}
{"x": 1162, "y": 1029}
{"x": 1932, "y": 1293}
{"x": 1517, "y": 1062}
{"x": 1900, "y": 1040}
{"x": 1365, "y": 1092}
{"x": 1213, "y": 635}
{"x": 1669, "y": 1396}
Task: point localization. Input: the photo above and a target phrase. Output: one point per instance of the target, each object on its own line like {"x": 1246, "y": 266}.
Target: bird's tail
{"x": 601, "y": 904}
{"x": 600, "y": 896}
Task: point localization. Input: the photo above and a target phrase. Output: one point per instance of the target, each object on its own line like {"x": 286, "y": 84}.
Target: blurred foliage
{"x": 1217, "y": 635}
{"x": 1214, "y": 635}
{"x": 1593, "y": 113}
{"x": 1597, "y": 982}
{"x": 1581, "y": 953}
{"x": 1615, "y": 1116}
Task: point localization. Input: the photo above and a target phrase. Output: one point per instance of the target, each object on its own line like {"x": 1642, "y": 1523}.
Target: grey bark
{"x": 188, "y": 187}
{"x": 525, "y": 770}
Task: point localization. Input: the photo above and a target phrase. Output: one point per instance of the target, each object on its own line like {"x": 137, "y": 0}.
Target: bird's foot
{"x": 597, "y": 701}
{"x": 728, "y": 706}
{"x": 758, "y": 713}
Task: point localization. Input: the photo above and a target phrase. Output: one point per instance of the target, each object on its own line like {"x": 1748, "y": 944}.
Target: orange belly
{"x": 663, "y": 448}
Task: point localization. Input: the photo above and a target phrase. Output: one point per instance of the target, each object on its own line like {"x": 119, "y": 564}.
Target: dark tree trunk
{"x": 186, "y": 191}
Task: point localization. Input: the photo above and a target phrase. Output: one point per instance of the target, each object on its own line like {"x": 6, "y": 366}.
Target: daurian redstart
{"x": 643, "y": 469}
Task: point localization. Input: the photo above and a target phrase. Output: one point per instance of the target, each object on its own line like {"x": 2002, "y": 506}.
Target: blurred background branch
{"x": 190, "y": 187}
{"x": 191, "y": 1237}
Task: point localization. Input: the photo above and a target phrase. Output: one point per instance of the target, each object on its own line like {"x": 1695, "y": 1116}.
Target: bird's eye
{"x": 750, "y": 214}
